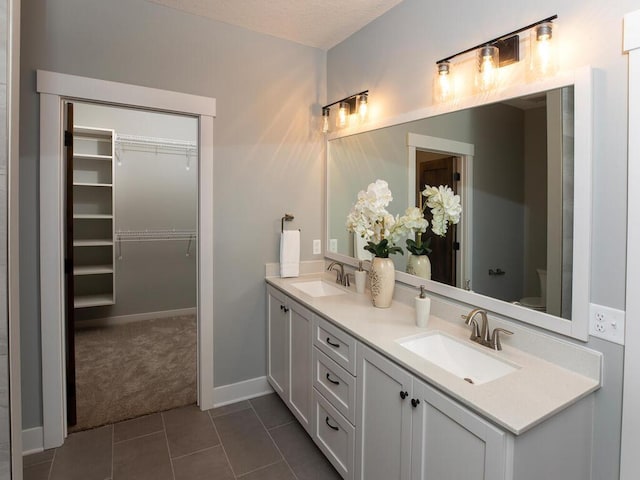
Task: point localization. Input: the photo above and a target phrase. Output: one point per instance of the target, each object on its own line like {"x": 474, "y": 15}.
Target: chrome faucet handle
{"x": 495, "y": 338}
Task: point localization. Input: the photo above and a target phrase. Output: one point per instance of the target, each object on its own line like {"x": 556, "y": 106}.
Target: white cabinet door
{"x": 451, "y": 443}
{"x": 278, "y": 339}
{"x": 300, "y": 367}
{"x": 383, "y": 422}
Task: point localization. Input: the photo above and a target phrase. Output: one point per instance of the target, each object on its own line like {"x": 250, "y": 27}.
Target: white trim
{"x": 51, "y": 271}
{"x": 79, "y": 88}
{"x": 629, "y": 459}
{"x": 465, "y": 152}
{"x": 578, "y": 327}
{"x": 32, "y": 440}
{"x": 53, "y": 89}
{"x": 135, "y": 317}
{"x": 13, "y": 234}
{"x": 235, "y": 392}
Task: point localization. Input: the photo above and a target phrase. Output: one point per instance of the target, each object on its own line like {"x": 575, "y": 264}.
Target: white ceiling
{"x": 316, "y": 23}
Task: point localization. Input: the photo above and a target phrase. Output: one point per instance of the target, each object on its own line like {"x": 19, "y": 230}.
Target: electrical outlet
{"x": 606, "y": 323}
{"x": 333, "y": 245}
{"x": 317, "y": 247}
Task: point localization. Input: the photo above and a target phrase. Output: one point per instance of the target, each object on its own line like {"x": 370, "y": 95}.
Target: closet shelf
{"x": 91, "y": 156}
{"x": 93, "y": 243}
{"x": 88, "y": 216}
{"x": 91, "y": 132}
{"x": 85, "y": 301}
{"x": 92, "y": 269}
{"x": 87, "y": 184}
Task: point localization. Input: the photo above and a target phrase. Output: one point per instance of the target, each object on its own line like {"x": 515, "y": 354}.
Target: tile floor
{"x": 257, "y": 439}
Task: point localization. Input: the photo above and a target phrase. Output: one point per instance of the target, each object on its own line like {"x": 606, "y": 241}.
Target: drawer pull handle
{"x": 326, "y": 420}
{"x": 286, "y": 309}
{"x": 335, "y": 382}
{"x": 404, "y": 395}
{"x": 282, "y": 308}
{"x": 336, "y": 345}
{"x": 415, "y": 402}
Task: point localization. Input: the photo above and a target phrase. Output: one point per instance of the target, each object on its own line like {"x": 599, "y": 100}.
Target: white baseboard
{"x": 236, "y": 392}
{"x": 137, "y": 317}
{"x": 32, "y": 440}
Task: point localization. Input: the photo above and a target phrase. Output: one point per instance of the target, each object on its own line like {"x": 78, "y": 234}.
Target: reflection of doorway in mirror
{"x": 436, "y": 169}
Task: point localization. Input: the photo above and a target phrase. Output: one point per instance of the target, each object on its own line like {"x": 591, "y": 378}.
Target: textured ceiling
{"x": 316, "y": 23}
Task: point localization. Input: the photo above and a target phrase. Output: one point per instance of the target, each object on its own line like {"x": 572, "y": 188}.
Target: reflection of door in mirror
{"x": 436, "y": 169}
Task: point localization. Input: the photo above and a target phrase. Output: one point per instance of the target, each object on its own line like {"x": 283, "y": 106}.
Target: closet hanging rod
{"x": 149, "y": 235}
{"x": 140, "y": 140}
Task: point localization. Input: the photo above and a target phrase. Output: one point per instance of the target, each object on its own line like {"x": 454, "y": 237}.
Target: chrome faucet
{"x": 340, "y": 278}
{"x": 481, "y": 333}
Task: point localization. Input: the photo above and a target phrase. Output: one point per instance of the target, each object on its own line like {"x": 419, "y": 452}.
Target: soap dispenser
{"x": 361, "y": 278}
{"x": 423, "y": 308}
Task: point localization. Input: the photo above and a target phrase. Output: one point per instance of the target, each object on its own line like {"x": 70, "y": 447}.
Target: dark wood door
{"x": 434, "y": 173}
{"x": 70, "y": 349}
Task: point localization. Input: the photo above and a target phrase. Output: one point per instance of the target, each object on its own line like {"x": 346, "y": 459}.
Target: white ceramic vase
{"x": 383, "y": 279}
{"x": 419, "y": 265}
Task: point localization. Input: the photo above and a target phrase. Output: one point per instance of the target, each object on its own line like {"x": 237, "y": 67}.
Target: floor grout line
{"x": 224, "y": 450}
{"x": 138, "y": 437}
{"x": 113, "y": 437}
{"x": 166, "y": 439}
{"x": 273, "y": 441}
{"x": 263, "y": 467}
{"x": 51, "y": 466}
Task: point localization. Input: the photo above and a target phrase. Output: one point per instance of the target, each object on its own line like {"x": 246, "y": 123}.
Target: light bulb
{"x": 443, "y": 85}
{"x": 343, "y": 114}
{"x": 542, "y": 52}
{"x": 363, "y": 107}
{"x": 488, "y": 61}
{"x": 325, "y": 120}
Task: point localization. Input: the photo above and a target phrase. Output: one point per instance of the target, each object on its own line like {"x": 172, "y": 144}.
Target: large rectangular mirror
{"x": 514, "y": 165}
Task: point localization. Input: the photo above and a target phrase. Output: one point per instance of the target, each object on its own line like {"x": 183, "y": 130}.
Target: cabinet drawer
{"x": 335, "y": 384}
{"x": 334, "y": 435}
{"x": 336, "y": 344}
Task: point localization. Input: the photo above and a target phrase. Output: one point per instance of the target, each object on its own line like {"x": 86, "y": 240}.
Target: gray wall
{"x": 395, "y": 57}
{"x": 5, "y": 460}
{"x": 268, "y": 150}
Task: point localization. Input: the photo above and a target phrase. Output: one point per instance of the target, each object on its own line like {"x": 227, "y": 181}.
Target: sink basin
{"x": 318, "y": 288}
{"x": 462, "y": 360}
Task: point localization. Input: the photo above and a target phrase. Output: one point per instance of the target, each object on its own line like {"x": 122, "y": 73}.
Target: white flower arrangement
{"x": 445, "y": 207}
{"x": 370, "y": 220}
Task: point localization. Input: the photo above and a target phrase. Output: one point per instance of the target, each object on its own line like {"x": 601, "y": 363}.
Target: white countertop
{"x": 516, "y": 401}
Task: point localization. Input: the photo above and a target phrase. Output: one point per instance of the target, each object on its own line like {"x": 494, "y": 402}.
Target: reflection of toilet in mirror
{"x": 537, "y": 303}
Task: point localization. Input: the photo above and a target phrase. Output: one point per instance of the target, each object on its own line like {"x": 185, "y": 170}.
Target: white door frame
{"x": 464, "y": 151}
{"x": 54, "y": 88}
{"x": 630, "y": 462}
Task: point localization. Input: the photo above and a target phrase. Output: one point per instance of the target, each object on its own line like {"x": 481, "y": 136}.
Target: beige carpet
{"x": 130, "y": 370}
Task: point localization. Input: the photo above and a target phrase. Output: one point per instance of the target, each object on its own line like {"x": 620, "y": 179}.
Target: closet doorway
{"x": 54, "y": 90}
{"x": 131, "y": 239}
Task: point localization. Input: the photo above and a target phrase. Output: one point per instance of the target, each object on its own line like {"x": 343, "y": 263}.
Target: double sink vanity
{"x": 384, "y": 399}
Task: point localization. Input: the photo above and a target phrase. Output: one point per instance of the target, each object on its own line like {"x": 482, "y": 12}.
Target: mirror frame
{"x": 578, "y": 327}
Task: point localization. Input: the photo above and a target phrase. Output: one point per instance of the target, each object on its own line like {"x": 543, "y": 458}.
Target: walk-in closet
{"x": 131, "y": 237}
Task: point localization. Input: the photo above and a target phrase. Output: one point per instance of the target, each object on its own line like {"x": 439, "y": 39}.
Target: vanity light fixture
{"x": 487, "y": 67}
{"x": 357, "y": 103}
{"x": 443, "y": 84}
{"x": 325, "y": 120}
{"x": 542, "y": 55}
{"x": 500, "y": 52}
